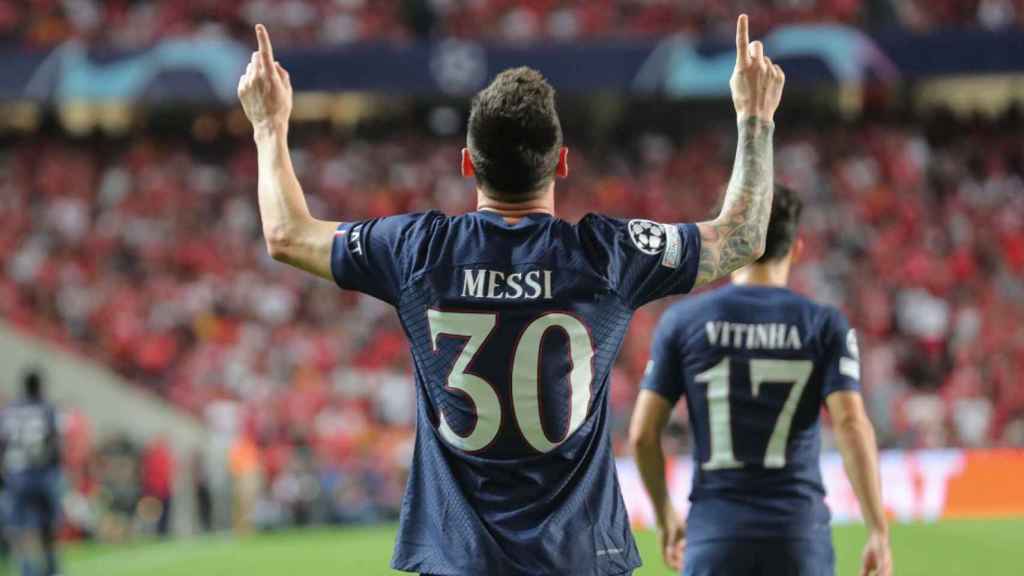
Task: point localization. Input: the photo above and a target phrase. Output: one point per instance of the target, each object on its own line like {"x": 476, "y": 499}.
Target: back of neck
{"x": 513, "y": 212}
{"x": 772, "y": 274}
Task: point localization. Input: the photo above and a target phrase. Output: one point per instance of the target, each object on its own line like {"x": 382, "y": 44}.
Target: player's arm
{"x": 737, "y": 236}
{"x": 856, "y": 439}
{"x": 293, "y": 236}
{"x": 660, "y": 390}
{"x": 650, "y": 415}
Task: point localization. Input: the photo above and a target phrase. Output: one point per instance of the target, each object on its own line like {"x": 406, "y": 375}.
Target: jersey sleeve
{"x": 664, "y": 368}
{"x": 643, "y": 260}
{"x": 376, "y": 256}
{"x": 842, "y": 355}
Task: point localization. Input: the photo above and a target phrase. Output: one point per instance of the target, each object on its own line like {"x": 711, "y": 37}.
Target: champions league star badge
{"x": 647, "y": 236}
{"x": 653, "y": 238}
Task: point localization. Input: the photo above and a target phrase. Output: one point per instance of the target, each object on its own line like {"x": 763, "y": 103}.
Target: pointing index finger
{"x": 742, "y": 40}
{"x": 266, "y": 50}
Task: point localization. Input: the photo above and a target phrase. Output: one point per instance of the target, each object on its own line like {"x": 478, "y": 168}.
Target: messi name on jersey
{"x": 497, "y": 285}
{"x": 768, "y": 336}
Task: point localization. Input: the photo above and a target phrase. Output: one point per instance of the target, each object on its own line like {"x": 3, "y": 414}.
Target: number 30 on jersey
{"x": 475, "y": 329}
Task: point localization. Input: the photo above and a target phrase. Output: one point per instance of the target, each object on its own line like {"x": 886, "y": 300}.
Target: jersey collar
{"x": 526, "y": 220}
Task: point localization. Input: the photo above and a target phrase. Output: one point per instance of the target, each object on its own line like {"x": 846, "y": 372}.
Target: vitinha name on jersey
{"x": 497, "y": 285}
{"x": 772, "y": 336}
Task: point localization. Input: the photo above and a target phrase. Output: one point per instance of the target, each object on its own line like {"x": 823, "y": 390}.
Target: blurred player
{"x": 31, "y": 467}
{"x": 755, "y": 362}
{"x": 514, "y": 319}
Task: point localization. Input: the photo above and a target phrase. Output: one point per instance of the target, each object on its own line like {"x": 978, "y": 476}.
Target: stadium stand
{"x": 146, "y": 255}
{"x": 128, "y": 24}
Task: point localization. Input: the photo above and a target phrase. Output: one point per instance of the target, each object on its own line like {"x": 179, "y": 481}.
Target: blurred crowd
{"x": 146, "y": 255}
{"x": 136, "y": 23}
{"x": 112, "y": 488}
{"x": 121, "y": 487}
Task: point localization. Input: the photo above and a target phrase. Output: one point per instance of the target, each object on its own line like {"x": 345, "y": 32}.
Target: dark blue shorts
{"x": 34, "y": 500}
{"x": 812, "y": 557}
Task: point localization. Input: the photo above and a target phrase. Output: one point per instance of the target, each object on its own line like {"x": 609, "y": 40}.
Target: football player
{"x": 514, "y": 318}
{"x": 755, "y": 361}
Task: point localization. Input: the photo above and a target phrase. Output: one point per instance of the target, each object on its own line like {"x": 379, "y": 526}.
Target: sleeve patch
{"x": 673, "y": 246}
{"x": 849, "y": 367}
{"x": 355, "y": 240}
{"x": 851, "y": 344}
{"x": 648, "y": 237}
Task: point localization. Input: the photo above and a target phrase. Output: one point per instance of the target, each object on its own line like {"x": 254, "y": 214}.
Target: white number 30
{"x": 475, "y": 328}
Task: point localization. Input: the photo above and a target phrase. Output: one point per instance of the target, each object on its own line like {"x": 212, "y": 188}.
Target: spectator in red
{"x": 158, "y": 467}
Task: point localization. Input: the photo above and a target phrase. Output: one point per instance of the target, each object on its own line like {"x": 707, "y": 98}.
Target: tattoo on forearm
{"x": 737, "y": 236}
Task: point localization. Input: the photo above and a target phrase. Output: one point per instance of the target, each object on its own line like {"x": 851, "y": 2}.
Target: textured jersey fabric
{"x": 513, "y": 330}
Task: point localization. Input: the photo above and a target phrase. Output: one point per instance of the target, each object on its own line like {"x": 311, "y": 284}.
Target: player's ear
{"x": 468, "y": 170}
{"x": 562, "y": 169}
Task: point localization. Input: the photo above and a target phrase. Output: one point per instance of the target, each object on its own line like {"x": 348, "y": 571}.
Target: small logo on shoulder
{"x": 647, "y": 236}
{"x": 851, "y": 344}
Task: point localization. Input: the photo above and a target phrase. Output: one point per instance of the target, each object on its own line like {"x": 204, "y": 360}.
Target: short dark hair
{"x": 514, "y": 135}
{"x": 782, "y": 225}
{"x": 33, "y": 385}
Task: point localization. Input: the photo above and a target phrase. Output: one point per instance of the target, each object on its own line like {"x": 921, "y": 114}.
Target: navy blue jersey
{"x": 28, "y": 435}
{"x": 755, "y": 364}
{"x": 513, "y": 331}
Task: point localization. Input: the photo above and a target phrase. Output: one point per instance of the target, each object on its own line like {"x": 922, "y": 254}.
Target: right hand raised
{"x": 265, "y": 89}
{"x": 756, "y": 82}
{"x": 877, "y": 558}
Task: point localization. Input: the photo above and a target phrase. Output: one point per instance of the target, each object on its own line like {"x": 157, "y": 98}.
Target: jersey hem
{"x": 418, "y": 569}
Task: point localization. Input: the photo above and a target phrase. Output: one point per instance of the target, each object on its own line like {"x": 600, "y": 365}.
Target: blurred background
{"x": 204, "y": 387}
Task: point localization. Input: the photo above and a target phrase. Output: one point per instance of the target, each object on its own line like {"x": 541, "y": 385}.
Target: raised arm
{"x": 737, "y": 236}
{"x": 293, "y": 236}
{"x": 856, "y": 439}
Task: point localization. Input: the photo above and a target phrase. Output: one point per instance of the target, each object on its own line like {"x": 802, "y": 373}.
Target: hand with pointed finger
{"x": 756, "y": 82}
{"x": 265, "y": 89}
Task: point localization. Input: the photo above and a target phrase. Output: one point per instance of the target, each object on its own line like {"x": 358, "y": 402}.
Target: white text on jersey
{"x": 495, "y": 285}
{"x": 772, "y": 336}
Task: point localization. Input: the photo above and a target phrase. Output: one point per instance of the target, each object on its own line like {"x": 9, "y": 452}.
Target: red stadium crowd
{"x": 132, "y": 24}
{"x": 146, "y": 255}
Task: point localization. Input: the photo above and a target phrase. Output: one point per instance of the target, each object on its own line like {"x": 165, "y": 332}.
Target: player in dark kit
{"x": 514, "y": 318}
{"x": 29, "y": 441}
{"x": 755, "y": 362}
